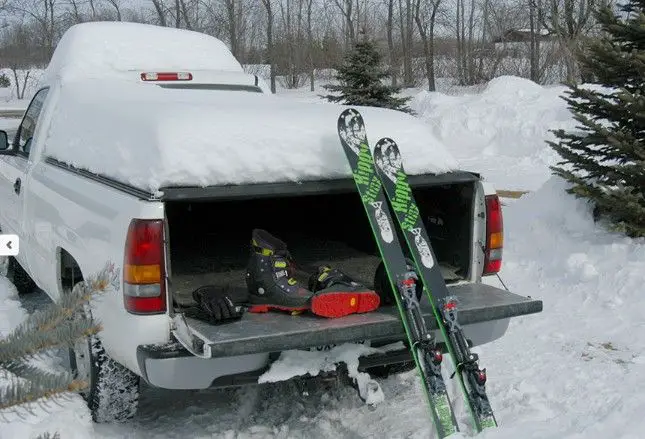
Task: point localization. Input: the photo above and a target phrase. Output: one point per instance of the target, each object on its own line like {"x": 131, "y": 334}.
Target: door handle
{"x": 16, "y": 186}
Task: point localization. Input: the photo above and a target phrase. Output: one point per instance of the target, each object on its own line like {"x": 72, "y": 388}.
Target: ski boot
{"x": 269, "y": 277}
{"x": 338, "y": 295}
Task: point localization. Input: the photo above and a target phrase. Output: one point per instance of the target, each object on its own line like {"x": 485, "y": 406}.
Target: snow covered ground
{"x": 573, "y": 371}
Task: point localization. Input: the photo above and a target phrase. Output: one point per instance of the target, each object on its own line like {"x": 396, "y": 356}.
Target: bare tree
{"x": 160, "y": 9}
{"x": 231, "y": 14}
{"x": 425, "y": 15}
{"x": 270, "y": 47}
{"x": 346, "y": 8}
{"x": 407, "y": 35}
{"x": 43, "y": 14}
{"x": 116, "y": 4}
{"x": 76, "y": 12}
{"x": 534, "y": 50}
{"x": 310, "y": 49}
{"x": 390, "y": 42}
{"x": 569, "y": 20}
{"x": 93, "y": 9}
{"x": 19, "y": 52}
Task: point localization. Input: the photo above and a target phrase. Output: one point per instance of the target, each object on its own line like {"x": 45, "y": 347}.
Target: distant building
{"x": 516, "y": 43}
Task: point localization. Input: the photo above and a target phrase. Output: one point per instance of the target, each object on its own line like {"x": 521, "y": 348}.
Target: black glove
{"x": 215, "y": 302}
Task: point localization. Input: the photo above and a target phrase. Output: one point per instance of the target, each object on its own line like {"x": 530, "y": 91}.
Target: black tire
{"x": 19, "y": 277}
{"x": 113, "y": 392}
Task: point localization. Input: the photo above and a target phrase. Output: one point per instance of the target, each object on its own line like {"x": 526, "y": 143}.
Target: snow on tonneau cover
{"x": 199, "y": 137}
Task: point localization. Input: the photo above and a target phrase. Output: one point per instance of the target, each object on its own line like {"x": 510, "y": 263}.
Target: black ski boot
{"x": 269, "y": 277}
{"x": 337, "y": 295}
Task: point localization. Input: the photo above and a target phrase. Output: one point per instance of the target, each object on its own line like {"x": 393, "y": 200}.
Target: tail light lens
{"x": 144, "y": 287}
{"x": 166, "y": 76}
{"x": 494, "y": 236}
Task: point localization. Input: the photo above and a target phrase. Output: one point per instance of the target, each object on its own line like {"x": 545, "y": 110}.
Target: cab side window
{"x": 24, "y": 137}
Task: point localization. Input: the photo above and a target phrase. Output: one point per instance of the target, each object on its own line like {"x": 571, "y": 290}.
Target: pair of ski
{"x": 381, "y": 178}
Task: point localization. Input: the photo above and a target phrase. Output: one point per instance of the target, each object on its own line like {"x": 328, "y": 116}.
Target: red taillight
{"x": 144, "y": 287}
{"x": 494, "y": 235}
{"x": 166, "y": 76}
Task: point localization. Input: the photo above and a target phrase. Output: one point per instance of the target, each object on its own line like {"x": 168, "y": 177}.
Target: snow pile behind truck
{"x": 188, "y": 133}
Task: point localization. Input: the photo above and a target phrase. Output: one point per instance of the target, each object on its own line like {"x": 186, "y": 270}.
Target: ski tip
{"x": 386, "y": 143}
{"x": 386, "y": 146}
{"x": 348, "y": 116}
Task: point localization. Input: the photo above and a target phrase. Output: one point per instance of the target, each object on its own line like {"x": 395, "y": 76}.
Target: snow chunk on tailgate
{"x": 115, "y": 49}
{"x": 151, "y": 137}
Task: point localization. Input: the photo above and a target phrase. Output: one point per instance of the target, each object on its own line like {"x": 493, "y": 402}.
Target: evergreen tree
{"x": 360, "y": 80}
{"x": 604, "y": 159}
{"x": 4, "y": 81}
{"x": 61, "y": 324}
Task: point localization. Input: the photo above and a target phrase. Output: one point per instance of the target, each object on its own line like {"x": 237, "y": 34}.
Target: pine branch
{"x": 60, "y": 324}
{"x": 53, "y": 327}
{"x": 33, "y": 373}
{"x": 21, "y": 394}
{"x": 18, "y": 348}
{"x": 604, "y": 158}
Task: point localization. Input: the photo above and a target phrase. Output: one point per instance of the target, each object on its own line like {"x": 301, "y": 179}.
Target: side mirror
{"x": 4, "y": 141}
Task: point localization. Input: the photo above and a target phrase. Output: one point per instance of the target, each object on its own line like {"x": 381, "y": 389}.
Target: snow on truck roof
{"x": 110, "y": 49}
{"x": 152, "y": 137}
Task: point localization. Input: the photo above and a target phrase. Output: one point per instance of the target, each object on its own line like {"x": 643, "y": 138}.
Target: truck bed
{"x": 272, "y": 332}
{"x": 209, "y": 237}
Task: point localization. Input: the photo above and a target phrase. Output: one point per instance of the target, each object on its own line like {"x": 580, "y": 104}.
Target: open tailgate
{"x": 274, "y": 332}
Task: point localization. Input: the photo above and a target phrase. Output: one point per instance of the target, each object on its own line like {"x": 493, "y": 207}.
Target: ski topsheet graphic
{"x": 389, "y": 164}
{"x": 426, "y": 355}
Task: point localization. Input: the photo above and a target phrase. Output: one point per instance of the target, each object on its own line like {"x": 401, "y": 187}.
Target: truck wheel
{"x": 19, "y": 277}
{"x": 113, "y": 391}
{"x": 112, "y": 394}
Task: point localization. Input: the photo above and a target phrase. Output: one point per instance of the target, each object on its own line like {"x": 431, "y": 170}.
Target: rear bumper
{"x": 173, "y": 367}
{"x": 238, "y": 353}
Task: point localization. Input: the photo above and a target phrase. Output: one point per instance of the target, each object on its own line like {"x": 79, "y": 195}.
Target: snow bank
{"x": 578, "y": 367}
{"x": 11, "y": 312}
{"x": 501, "y": 131}
{"x": 111, "y": 49}
{"x": 152, "y": 137}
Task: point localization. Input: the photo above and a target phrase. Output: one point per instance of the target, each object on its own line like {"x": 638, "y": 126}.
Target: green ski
{"x": 471, "y": 378}
{"x": 403, "y": 281}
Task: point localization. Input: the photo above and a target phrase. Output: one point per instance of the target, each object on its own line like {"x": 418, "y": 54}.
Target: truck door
{"x": 14, "y": 164}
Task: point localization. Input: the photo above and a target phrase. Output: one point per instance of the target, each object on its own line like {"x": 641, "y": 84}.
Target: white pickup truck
{"x": 152, "y": 149}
